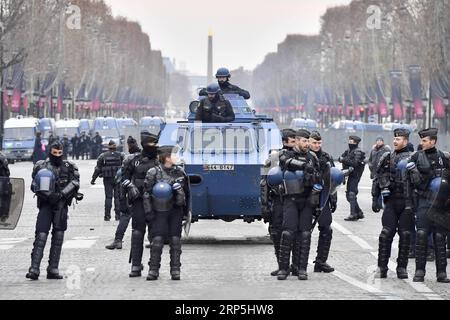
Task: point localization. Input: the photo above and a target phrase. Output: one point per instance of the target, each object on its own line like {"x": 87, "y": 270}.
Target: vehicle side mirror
{"x": 194, "y": 106}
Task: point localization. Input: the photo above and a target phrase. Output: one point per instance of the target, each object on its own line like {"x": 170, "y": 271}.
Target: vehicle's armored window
{"x": 222, "y": 141}
{"x": 19, "y": 134}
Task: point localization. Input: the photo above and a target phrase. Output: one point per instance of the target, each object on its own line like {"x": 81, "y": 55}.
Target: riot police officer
{"x": 223, "y": 76}
{"x": 134, "y": 173}
{"x": 379, "y": 149}
{"x": 354, "y": 158}
{"x": 326, "y": 219}
{"x": 272, "y": 194}
{"x": 398, "y": 215}
{"x": 107, "y": 165}
{"x": 125, "y": 210}
{"x": 215, "y": 109}
{"x": 167, "y": 202}
{"x": 56, "y": 183}
{"x": 425, "y": 166}
{"x": 97, "y": 143}
{"x": 301, "y": 200}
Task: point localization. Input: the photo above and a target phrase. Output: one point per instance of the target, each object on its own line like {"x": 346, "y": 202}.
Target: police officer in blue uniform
{"x": 326, "y": 219}
{"x": 108, "y": 164}
{"x": 426, "y": 165}
{"x": 215, "y": 108}
{"x": 168, "y": 196}
{"x": 56, "y": 183}
{"x": 398, "y": 215}
{"x": 354, "y": 158}
{"x": 301, "y": 202}
{"x": 272, "y": 193}
{"x": 223, "y": 76}
{"x": 133, "y": 177}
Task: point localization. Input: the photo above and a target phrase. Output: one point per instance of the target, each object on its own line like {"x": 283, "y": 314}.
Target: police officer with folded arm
{"x": 398, "y": 215}
{"x": 167, "y": 203}
{"x": 301, "y": 202}
{"x": 134, "y": 171}
{"x": 428, "y": 172}
{"x": 108, "y": 164}
{"x": 56, "y": 183}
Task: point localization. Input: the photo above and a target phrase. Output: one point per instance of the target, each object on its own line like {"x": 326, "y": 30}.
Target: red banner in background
{"x": 15, "y": 102}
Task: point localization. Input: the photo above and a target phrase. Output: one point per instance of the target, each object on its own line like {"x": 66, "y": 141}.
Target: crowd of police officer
{"x": 410, "y": 187}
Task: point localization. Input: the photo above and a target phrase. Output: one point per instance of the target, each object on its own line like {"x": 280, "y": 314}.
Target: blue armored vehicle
{"x": 224, "y": 161}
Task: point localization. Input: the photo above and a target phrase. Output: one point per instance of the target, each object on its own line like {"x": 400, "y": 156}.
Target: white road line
{"x": 361, "y": 242}
{"x": 5, "y": 247}
{"x": 79, "y": 244}
{"x": 97, "y": 186}
{"x": 419, "y": 287}
{"x": 356, "y": 283}
{"x": 12, "y": 240}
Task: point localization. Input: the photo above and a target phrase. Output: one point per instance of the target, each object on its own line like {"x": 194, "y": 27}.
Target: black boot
{"x": 137, "y": 249}
{"x": 296, "y": 247}
{"x": 285, "y": 254}
{"x": 305, "y": 247}
{"x": 36, "y": 256}
{"x": 384, "y": 253}
{"x": 403, "y": 254}
{"x": 276, "y": 238}
{"x": 354, "y": 212}
{"x": 421, "y": 255}
{"x": 323, "y": 251}
{"x": 441, "y": 257}
{"x": 55, "y": 255}
{"x": 155, "y": 258}
{"x": 117, "y": 244}
{"x": 175, "y": 258}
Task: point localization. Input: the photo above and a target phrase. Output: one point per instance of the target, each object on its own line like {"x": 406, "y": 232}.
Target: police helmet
{"x": 213, "y": 88}
{"x": 223, "y": 72}
{"x": 162, "y": 190}
{"x": 275, "y": 177}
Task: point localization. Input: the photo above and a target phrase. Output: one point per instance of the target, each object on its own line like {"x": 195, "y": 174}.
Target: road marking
{"x": 417, "y": 286}
{"x": 97, "y": 186}
{"x": 9, "y": 243}
{"x": 80, "y": 243}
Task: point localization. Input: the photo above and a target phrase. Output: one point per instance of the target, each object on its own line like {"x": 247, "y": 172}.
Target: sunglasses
{"x": 57, "y": 153}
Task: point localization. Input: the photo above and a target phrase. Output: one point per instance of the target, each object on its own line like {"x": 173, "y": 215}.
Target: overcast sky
{"x": 244, "y": 30}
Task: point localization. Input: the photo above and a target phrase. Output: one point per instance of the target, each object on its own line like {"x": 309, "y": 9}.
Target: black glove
{"x": 333, "y": 206}
{"x": 216, "y": 118}
{"x": 93, "y": 182}
{"x": 265, "y": 212}
{"x": 317, "y": 212}
{"x": 375, "y": 205}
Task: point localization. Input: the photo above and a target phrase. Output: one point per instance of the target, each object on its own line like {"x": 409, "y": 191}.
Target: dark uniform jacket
{"x": 4, "y": 169}
{"x": 354, "y": 159}
{"x": 67, "y": 182}
{"x": 218, "y": 111}
{"x": 374, "y": 159}
{"x": 228, "y": 88}
{"x": 108, "y": 164}
{"x": 388, "y": 175}
{"x": 135, "y": 168}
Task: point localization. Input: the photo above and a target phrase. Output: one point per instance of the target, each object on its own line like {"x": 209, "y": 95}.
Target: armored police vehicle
{"x": 67, "y": 127}
{"x": 108, "y": 129}
{"x": 19, "y": 138}
{"x": 224, "y": 161}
